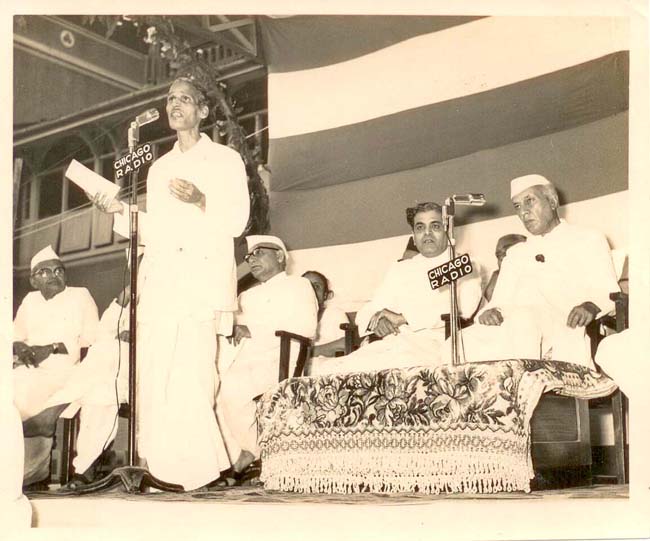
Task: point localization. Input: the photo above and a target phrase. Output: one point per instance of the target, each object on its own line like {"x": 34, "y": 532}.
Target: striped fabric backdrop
{"x": 370, "y": 114}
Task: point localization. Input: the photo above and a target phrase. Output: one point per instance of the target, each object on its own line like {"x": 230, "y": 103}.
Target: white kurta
{"x": 69, "y": 317}
{"x": 536, "y": 297}
{"x": 283, "y": 303}
{"x": 98, "y": 385}
{"x": 406, "y": 290}
{"x": 189, "y": 278}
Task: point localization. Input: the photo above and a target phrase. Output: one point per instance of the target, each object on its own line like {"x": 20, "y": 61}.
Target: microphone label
{"x": 133, "y": 161}
{"x": 450, "y": 272}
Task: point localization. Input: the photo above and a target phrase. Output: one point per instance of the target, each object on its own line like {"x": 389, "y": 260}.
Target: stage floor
{"x": 115, "y": 509}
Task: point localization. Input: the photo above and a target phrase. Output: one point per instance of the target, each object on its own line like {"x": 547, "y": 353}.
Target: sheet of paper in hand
{"x": 451, "y": 271}
{"x": 90, "y": 181}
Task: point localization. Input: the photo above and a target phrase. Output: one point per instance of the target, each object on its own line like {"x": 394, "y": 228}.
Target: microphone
{"x": 473, "y": 199}
{"x": 147, "y": 117}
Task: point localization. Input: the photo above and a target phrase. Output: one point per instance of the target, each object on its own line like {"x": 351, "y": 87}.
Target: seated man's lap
{"x": 403, "y": 350}
{"x": 34, "y": 386}
{"x": 526, "y": 333}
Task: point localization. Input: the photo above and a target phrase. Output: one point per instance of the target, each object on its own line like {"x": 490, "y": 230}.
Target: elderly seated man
{"x": 405, "y": 311}
{"x": 98, "y": 385}
{"x": 51, "y": 326}
{"x": 549, "y": 289}
{"x": 249, "y": 366}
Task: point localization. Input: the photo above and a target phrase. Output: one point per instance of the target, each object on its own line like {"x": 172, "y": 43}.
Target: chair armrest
{"x": 285, "y": 353}
{"x": 352, "y": 338}
{"x": 463, "y": 322}
{"x": 621, "y": 302}
{"x": 293, "y": 336}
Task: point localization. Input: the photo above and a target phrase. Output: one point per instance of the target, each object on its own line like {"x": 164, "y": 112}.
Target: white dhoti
{"x": 401, "y": 350}
{"x": 253, "y": 372}
{"x": 98, "y": 385}
{"x": 37, "y": 459}
{"x": 32, "y": 389}
{"x": 178, "y": 432}
{"x": 15, "y": 510}
{"x": 526, "y": 333}
{"x": 619, "y": 356}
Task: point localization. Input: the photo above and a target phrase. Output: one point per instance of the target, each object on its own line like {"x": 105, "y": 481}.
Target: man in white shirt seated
{"x": 549, "y": 289}
{"x": 98, "y": 385}
{"x": 405, "y": 311}
{"x": 51, "y": 326}
{"x": 248, "y": 367}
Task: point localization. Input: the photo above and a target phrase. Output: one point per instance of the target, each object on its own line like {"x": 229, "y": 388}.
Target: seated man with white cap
{"x": 249, "y": 367}
{"x": 50, "y": 328}
{"x": 549, "y": 289}
{"x": 98, "y": 385}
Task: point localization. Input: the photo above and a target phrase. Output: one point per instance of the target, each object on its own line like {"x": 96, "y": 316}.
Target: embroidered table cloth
{"x": 462, "y": 428}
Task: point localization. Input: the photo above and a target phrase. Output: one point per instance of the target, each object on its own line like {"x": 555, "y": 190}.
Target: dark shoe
{"x": 250, "y": 476}
{"x": 77, "y": 482}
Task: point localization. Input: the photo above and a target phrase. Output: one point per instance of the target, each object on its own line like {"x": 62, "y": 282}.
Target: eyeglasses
{"x": 257, "y": 252}
{"x": 46, "y": 273}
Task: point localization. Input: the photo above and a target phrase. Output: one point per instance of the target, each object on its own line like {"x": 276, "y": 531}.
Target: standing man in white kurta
{"x": 549, "y": 289}
{"x": 249, "y": 367}
{"x": 51, "y": 326}
{"x": 197, "y": 203}
{"x": 405, "y": 312}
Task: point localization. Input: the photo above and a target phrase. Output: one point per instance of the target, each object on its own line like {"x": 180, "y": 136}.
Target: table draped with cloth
{"x": 463, "y": 428}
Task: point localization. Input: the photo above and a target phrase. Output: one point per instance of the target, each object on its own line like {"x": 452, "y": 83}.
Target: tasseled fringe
{"x": 348, "y": 471}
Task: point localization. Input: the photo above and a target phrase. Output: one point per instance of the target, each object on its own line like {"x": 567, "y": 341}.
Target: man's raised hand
{"x": 239, "y": 332}
{"x": 186, "y": 191}
{"x": 105, "y": 203}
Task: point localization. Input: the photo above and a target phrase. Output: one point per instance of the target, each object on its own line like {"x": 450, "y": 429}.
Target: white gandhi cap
{"x": 265, "y": 241}
{"x": 46, "y": 254}
{"x": 520, "y": 184}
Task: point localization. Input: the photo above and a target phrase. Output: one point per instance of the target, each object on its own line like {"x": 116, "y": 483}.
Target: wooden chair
{"x": 286, "y": 339}
{"x": 70, "y": 433}
{"x": 619, "y": 322}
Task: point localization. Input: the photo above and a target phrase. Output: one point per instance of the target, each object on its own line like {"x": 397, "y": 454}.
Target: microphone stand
{"x": 133, "y": 478}
{"x": 448, "y": 212}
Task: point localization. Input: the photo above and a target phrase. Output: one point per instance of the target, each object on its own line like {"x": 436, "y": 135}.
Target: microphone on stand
{"x": 133, "y": 135}
{"x": 448, "y": 212}
{"x": 147, "y": 117}
{"x": 473, "y": 199}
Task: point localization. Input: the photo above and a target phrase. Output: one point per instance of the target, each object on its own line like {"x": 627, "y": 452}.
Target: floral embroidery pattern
{"x": 444, "y": 414}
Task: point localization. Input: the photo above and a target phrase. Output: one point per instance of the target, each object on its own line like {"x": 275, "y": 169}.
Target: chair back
{"x": 286, "y": 340}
